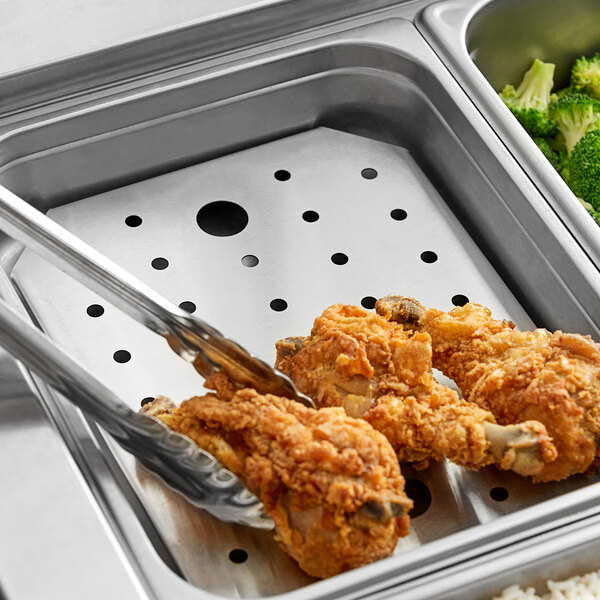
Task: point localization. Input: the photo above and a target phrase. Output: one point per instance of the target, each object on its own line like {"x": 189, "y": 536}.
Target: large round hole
{"x": 249, "y": 260}
{"x": 398, "y": 214}
{"x": 222, "y": 218}
{"x": 459, "y": 300}
{"x": 499, "y": 494}
{"x": 368, "y": 302}
{"x": 133, "y": 221}
{"x": 339, "y": 258}
{"x": 369, "y": 173}
{"x": 428, "y": 256}
{"x": 122, "y": 356}
{"x": 419, "y": 493}
{"x": 310, "y": 216}
{"x": 95, "y": 310}
{"x": 238, "y": 556}
{"x": 147, "y": 400}
{"x": 282, "y": 175}
{"x": 278, "y": 304}
{"x": 188, "y": 306}
{"x": 160, "y": 263}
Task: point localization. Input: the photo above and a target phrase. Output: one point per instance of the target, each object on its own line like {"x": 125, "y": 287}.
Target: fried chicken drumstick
{"x": 331, "y": 484}
{"x": 375, "y": 370}
{"x": 517, "y": 375}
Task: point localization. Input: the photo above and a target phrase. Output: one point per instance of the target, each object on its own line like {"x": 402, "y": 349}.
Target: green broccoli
{"x": 557, "y": 144}
{"x": 556, "y": 158}
{"x": 585, "y": 75}
{"x": 584, "y": 169}
{"x": 567, "y": 91}
{"x": 575, "y": 116}
{"x": 529, "y": 102}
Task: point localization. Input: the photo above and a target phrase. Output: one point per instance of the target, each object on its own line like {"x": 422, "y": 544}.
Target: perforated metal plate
{"x": 331, "y": 217}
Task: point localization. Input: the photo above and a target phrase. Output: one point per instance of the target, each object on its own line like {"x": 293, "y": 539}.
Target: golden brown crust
{"x": 376, "y": 370}
{"x": 519, "y": 375}
{"x": 332, "y": 484}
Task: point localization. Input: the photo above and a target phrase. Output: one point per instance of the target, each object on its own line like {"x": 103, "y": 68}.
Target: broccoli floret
{"x": 585, "y": 75}
{"x": 575, "y": 116}
{"x": 567, "y": 91}
{"x": 557, "y": 159}
{"x": 584, "y": 169}
{"x": 529, "y": 102}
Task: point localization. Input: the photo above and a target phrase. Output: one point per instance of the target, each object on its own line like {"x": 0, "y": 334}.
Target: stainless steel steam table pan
{"x": 350, "y": 128}
{"x": 489, "y": 43}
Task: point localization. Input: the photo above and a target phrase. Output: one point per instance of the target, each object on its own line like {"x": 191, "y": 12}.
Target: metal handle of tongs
{"x": 193, "y": 339}
{"x": 175, "y": 458}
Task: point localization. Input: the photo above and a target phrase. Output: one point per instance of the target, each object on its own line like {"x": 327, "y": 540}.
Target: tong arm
{"x": 193, "y": 339}
{"x": 174, "y": 457}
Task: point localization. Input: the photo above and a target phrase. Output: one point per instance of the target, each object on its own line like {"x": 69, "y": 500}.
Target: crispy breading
{"x": 377, "y": 371}
{"x": 331, "y": 484}
{"x": 553, "y": 378}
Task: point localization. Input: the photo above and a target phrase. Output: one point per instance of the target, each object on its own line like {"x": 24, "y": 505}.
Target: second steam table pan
{"x": 490, "y": 43}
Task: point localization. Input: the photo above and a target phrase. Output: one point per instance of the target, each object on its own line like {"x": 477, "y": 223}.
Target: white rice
{"x": 580, "y": 587}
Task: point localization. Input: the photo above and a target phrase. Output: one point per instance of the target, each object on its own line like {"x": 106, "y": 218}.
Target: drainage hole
{"x": 278, "y": 304}
{"x": 310, "y": 216}
{"x": 147, "y": 400}
{"x": 339, "y": 258}
{"x": 122, "y": 356}
{"x": 133, "y": 221}
{"x": 238, "y": 556}
{"x": 499, "y": 494}
{"x": 222, "y": 218}
{"x": 428, "y": 256}
{"x": 398, "y": 214}
{"x": 369, "y": 173}
{"x": 249, "y": 260}
{"x": 95, "y": 310}
{"x": 282, "y": 175}
{"x": 419, "y": 493}
{"x": 368, "y": 302}
{"x": 188, "y": 306}
{"x": 160, "y": 263}
{"x": 459, "y": 300}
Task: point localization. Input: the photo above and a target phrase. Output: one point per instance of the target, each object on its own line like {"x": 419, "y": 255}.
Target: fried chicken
{"x": 375, "y": 370}
{"x": 331, "y": 484}
{"x": 517, "y": 375}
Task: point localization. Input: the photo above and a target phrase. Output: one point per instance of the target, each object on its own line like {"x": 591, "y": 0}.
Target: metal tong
{"x": 179, "y": 462}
